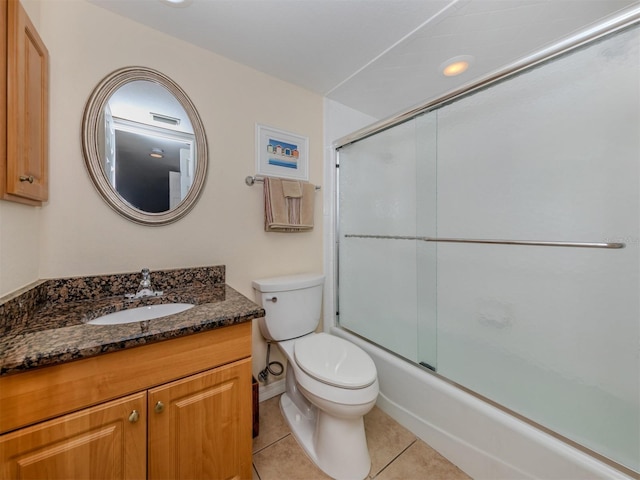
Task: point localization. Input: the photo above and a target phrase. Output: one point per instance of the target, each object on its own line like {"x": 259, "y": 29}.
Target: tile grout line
{"x": 255, "y": 470}
{"x": 255, "y": 467}
{"x": 394, "y": 459}
{"x": 270, "y": 444}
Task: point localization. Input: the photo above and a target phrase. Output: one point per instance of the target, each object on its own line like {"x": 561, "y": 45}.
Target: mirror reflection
{"x": 148, "y": 146}
{"x": 144, "y": 146}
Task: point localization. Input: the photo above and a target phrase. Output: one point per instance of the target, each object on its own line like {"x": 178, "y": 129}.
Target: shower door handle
{"x": 539, "y": 243}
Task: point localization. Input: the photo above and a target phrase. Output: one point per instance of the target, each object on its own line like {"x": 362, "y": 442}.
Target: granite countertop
{"x": 55, "y": 332}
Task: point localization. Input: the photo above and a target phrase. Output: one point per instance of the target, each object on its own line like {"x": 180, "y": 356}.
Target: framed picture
{"x": 281, "y": 154}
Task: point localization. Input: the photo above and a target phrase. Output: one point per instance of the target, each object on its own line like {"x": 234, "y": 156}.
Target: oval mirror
{"x": 144, "y": 146}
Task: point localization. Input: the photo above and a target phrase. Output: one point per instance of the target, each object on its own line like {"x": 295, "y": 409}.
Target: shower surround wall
{"x": 551, "y": 333}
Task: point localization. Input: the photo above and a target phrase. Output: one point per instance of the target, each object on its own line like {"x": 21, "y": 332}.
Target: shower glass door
{"x": 550, "y": 332}
{"x": 382, "y": 290}
{"x": 550, "y": 155}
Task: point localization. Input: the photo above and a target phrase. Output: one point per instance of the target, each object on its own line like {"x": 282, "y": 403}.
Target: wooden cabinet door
{"x": 100, "y": 442}
{"x": 200, "y": 427}
{"x": 3, "y": 95}
{"x": 27, "y": 110}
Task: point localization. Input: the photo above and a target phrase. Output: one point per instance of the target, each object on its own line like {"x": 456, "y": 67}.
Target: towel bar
{"x": 249, "y": 180}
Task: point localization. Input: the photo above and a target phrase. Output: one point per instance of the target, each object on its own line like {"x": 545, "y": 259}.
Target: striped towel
{"x": 288, "y": 205}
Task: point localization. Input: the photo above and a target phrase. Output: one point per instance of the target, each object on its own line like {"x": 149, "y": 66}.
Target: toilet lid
{"x": 334, "y": 361}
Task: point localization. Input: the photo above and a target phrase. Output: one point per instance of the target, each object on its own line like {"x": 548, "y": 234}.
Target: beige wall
{"x": 19, "y": 246}
{"x": 80, "y": 235}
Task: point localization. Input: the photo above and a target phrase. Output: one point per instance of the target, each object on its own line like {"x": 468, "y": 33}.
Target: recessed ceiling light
{"x": 456, "y": 65}
{"x": 177, "y": 3}
{"x": 157, "y": 153}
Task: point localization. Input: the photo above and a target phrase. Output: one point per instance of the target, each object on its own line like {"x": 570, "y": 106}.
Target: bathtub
{"x": 484, "y": 441}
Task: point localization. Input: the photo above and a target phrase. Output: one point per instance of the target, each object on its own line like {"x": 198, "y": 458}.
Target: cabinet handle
{"x": 159, "y": 408}
{"x": 134, "y": 416}
{"x": 26, "y": 178}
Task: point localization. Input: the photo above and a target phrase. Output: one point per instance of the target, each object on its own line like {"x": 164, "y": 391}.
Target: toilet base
{"x": 337, "y": 446}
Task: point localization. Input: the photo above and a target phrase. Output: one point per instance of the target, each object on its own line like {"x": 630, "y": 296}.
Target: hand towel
{"x": 291, "y": 189}
{"x": 286, "y": 212}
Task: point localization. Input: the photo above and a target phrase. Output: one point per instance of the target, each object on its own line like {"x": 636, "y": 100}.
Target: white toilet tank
{"x": 292, "y": 304}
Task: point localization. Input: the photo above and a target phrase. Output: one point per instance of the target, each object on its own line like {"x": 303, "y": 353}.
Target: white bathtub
{"x": 481, "y": 439}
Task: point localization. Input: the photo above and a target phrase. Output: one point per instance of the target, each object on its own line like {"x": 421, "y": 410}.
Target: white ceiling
{"x": 376, "y": 56}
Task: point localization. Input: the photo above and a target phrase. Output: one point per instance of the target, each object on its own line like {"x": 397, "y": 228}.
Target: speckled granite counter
{"x": 46, "y": 324}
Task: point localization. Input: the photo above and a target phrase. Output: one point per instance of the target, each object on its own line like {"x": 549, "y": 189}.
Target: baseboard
{"x": 271, "y": 389}
{"x": 523, "y": 452}
{"x": 466, "y": 456}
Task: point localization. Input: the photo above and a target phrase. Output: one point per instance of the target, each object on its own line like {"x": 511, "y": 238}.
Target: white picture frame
{"x": 281, "y": 154}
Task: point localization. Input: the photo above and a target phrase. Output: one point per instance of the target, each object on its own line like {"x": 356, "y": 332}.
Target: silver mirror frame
{"x": 91, "y": 126}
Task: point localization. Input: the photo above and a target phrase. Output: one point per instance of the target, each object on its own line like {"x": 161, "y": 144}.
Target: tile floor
{"x": 396, "y": 454}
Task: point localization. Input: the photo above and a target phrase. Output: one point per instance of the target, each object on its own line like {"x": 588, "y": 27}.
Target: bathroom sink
{"x": 147, "y": 312}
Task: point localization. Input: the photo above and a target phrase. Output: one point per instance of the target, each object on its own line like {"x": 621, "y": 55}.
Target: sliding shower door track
{"x": 626, "y": 19}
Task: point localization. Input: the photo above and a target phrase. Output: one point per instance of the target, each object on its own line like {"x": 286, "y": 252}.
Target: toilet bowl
{"x": 330, "y": 384}
{"x": 326, "y": 419}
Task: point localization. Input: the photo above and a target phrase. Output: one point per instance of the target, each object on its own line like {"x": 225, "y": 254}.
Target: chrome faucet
{"x": 144, "y": 289}
{"x": 145, "y": 284}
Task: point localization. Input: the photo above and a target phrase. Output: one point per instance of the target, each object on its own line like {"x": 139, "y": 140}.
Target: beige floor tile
{"x": 395, "y": 452}
{"x": 419, "y": 462}
{"x": 272, "y": 425}
{"x": 386, "y": 439}
{"x": 285, "y": 459}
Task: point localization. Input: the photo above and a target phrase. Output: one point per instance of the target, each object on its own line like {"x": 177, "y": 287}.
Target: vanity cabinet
{"x": 98, "y": 442}
{"x": 24, "y": 108}
{"x": 199, "y": 426}
{"x": 180, "y": 408}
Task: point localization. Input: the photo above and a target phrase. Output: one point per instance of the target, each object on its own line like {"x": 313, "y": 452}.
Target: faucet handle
{"x": 145, "y": 272}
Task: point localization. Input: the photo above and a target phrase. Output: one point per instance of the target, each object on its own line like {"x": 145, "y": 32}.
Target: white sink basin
{"x": 148, "y": 312}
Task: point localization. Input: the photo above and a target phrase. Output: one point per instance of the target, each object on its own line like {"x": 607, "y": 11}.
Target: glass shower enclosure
{"x": 494, "y": 239}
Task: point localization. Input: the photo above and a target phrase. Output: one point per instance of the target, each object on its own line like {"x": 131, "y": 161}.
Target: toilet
{"x": 330, "y": 383}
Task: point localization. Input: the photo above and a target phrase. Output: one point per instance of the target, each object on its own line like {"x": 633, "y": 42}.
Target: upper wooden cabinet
{"x": 24, "y": 108}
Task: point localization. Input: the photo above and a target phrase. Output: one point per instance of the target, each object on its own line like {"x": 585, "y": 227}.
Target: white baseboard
{"x": 271, "y": 389}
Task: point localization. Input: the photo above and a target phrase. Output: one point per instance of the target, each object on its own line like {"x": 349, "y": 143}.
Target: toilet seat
{"x": 334, "y": 361}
